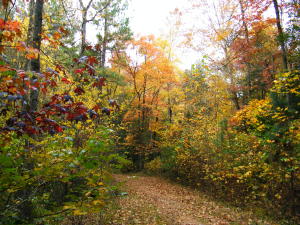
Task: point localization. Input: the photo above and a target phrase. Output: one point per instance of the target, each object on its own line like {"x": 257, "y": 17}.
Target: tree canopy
{"x": 75, "y": 109}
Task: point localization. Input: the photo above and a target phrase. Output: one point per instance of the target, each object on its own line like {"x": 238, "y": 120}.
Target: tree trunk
{"x": 235, "y": 100}
{"x": 30, "y": 30}
{"x": 27, "y": 63}
{"x": 229, "y": 72}
{"x": 241, "y": 2}
{"x": 83, "y": 33}
{"x": 37, "y": 38}
{"x": 281, "y": 36}
{"x": 104, "y": 44}
{"x": 36, "y": 43}
{"x": 85, "y": 20}
{"x": 282, "y": 44}
{"x": 170, "y": 111}
{"x": 244, "y": 20}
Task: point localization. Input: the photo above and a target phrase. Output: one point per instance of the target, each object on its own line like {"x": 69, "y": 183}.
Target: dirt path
{"x": 153, "y": 200}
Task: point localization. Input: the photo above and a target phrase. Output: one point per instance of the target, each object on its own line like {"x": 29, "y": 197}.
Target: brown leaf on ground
{"x": 156, "y": 201}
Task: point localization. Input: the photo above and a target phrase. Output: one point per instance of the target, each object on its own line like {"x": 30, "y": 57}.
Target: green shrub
{"x": 154, "y": 166}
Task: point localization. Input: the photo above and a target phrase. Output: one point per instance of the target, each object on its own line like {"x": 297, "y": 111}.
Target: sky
{"x": 149, "y": 17}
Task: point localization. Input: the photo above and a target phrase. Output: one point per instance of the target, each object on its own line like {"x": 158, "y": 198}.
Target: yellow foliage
{"x": 78, "y": 212}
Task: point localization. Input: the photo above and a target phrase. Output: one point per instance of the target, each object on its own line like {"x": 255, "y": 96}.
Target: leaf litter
{"x": 157, "y": 201}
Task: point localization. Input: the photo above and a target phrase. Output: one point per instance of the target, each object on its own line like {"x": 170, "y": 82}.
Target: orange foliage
{"x": 149, "y": 71}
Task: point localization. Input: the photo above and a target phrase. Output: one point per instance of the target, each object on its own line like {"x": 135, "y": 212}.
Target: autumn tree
{"x": 41, "y": 179}
{"x": 280, "y": 35}
{"x": 148, "y": 71}
{"x": 88, "y": 15}
{"x": 114, "y": 29}
{"x": 293, "y": 32}
{"x": 219, "y": 31}
{"x": 36, "y": 43}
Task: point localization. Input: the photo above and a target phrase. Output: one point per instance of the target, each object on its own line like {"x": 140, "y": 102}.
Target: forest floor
{"x": 153, "y": 200}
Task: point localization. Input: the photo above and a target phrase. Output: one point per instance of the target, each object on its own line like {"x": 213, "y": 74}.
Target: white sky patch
{"x": 150, "y": 17}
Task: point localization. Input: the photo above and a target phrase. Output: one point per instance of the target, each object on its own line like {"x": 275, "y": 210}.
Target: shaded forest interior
{"x": 83, "y": 97}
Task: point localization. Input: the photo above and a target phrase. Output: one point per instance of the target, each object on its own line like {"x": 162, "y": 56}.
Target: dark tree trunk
{"x": 281, "y": 36}
{"x": 26, "y": 209}
{"x": 170, "y": 112}
{"x": 30, "y": 29}
{"x": 36, "y": 43}
{"x": 235, "y": 100}
{"x": 36, "y": 39}
{"x": 27, "y": 62}
{"x": 281, "y": 42}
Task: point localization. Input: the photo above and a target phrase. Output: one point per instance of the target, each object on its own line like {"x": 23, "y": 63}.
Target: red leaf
{"x": 100, "y": 82}
{"x": 79, "y": 90}
{"x": 44, "y": 90}
{"x": 88, "y": 47}
{"x": 80, "y": 71}
{"x": 63, "y": 30}
{"x": 65, "y": 80}
{"x": 22, "y": 74}
{"x": 53, "y": 83}
{"x": 31, "y": 130}
{"x": 58, "y": 129}
{"x": 2, "y": 23}
{"x": 27, "y": 83}
{"x": 22, "y": 92}
{"x": 98, "y": 47}
{"x": 39, "y": 119}
{"x": 80, "y": 108}
{"x": 92, "y": 60}
{"x": 91, "y": 72}
{"x": 55, "y": 99}
{"x": 96, "y": 108}
{"x": 70, "y": 116}
{"x": 36, "y": 84}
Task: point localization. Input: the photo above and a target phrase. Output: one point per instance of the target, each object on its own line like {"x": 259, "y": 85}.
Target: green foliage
{"x": 154, "y": 166}
{"x": 168, "y": 157}
{"x": 55, "y": 175}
